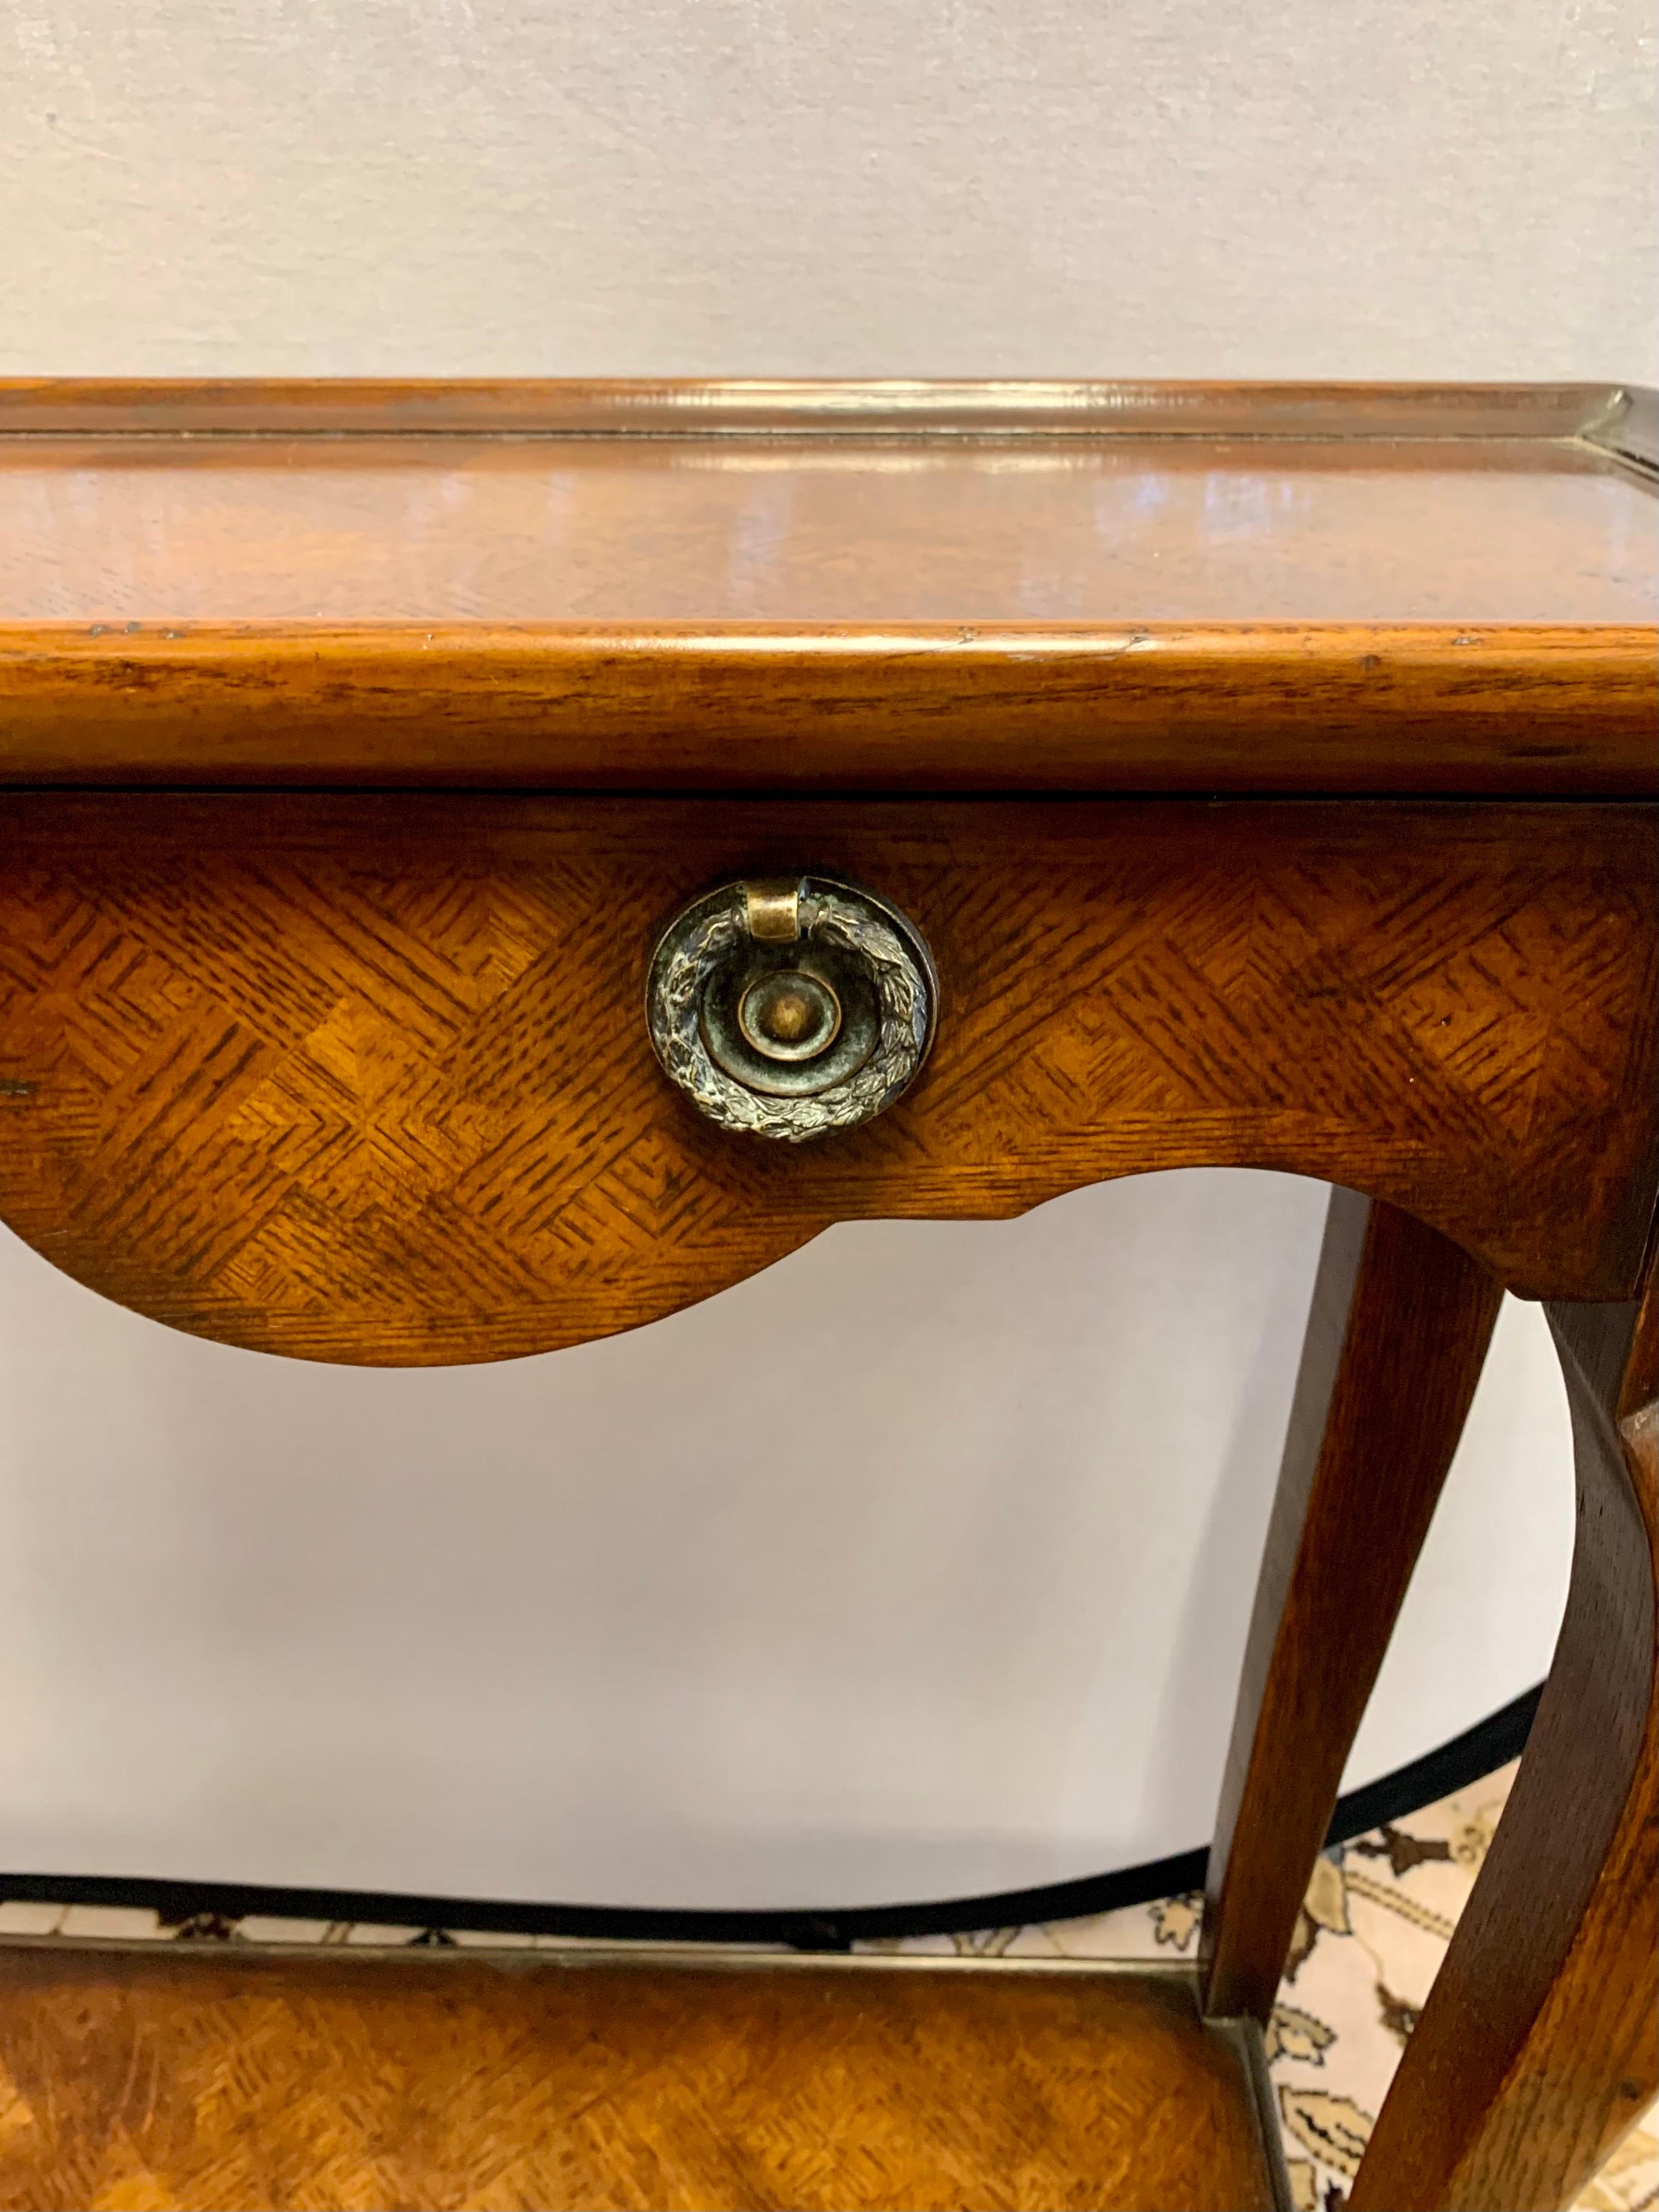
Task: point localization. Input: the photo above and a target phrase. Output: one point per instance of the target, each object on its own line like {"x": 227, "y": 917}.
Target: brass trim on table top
{"x": 724, "y": 1957}
{"x": 909, "y": 408}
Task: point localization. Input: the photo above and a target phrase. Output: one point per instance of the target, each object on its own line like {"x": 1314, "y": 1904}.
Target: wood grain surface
{"x": 845, "y": 530}
{"x": 1527, "y": 710}
{"x": 871, "y": 587}
{"x": 335, "y": 2085}
{"x": 368, "y": 1079}
{"x": 1539, "y": 2044}
{"x": 1397, "y": 1339}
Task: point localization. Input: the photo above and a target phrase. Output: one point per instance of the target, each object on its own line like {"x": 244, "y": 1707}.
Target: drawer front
{"x": 368, "y": 1078}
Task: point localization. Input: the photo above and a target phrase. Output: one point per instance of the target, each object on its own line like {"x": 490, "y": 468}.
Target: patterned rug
{"x": 1378, "y": 1916}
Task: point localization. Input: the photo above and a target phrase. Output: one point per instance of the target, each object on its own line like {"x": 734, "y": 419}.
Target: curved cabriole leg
{"x": 1397, "y": 1336}
{"x": 1539, "y": 2044}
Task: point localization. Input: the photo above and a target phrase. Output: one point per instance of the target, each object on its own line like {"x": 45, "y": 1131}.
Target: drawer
{"x": 368, "y": 1078}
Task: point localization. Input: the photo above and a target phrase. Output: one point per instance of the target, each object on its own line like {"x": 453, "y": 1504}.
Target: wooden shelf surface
{"x": 174, "y": 2079}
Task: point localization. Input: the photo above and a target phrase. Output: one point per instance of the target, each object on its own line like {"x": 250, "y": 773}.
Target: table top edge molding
{"x": 1515, "y": 710}
{"x": 907, "y": 407}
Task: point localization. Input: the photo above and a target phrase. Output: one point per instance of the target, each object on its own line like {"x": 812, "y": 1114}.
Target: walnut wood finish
{"x": 1398, "y": 1333}
{"x": 1520, "y": 710}
{"x": 333, "y": 2085}
{"x": 1539, "y": 2046}
{"x": 847, "y": 532}
{"x": 368, "y": 1079}
{"x": 855, "y": 587}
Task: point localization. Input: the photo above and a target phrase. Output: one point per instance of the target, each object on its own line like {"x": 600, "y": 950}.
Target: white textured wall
{"x": 1225, "y": 187}
{"x": 615, "y": 1625}
{"x": 519, "y": 1630}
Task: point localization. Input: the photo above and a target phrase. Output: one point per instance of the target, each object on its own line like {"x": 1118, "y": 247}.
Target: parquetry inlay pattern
{"x": 368, "y": 1078}
{"x": 316, "y": 2084}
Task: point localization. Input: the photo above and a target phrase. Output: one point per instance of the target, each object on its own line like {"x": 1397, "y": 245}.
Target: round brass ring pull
{"x": 791, "y": 1008}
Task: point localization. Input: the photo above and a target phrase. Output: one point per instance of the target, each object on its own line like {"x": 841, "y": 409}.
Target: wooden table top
{"x": 1082, "y": 586}
{"x": 464, "y": 528}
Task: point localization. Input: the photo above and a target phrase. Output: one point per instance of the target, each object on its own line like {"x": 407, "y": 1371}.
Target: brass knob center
{"x": 790, "y": 1015}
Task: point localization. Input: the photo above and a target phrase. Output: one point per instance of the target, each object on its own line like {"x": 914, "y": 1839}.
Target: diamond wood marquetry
{"x": 214, "y": 2084}
{"x": 368, "y": 1078}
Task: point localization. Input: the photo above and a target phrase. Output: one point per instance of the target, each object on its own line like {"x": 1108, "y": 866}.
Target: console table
{"x": 482, "y": 866}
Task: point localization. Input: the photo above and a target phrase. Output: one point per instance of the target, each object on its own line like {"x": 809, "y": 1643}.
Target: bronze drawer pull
{"x": 791, "y": 1008}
